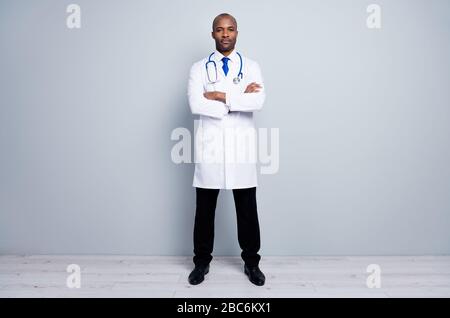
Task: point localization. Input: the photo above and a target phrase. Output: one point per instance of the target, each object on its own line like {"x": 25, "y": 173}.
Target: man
{"x": 224, "y": 90}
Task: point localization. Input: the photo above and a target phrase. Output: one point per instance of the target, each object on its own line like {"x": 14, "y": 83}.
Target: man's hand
{"x": 253, "y": 88}
{"x": 218, "y": 96}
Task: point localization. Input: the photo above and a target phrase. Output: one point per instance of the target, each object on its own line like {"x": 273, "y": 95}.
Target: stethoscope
{"x": 236, "y": 80}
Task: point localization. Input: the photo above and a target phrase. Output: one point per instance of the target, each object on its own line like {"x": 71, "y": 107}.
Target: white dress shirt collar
{"x": 219, "y": 56}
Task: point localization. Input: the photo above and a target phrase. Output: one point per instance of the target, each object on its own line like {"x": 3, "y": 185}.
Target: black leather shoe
{"x": 255, "y": 275}
{"x": 198, "y": 274}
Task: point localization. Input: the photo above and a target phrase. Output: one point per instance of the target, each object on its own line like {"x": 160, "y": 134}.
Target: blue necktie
{"x": 225, "y": 65}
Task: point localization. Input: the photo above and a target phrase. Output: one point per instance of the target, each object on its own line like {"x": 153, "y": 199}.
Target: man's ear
{"x": 212, "y": 34}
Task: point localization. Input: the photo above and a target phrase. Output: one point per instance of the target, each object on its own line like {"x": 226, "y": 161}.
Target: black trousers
{"x": 247, "y": 224}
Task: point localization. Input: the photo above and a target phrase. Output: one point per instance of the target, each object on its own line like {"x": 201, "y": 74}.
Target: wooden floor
{"x": 151, "y": 276}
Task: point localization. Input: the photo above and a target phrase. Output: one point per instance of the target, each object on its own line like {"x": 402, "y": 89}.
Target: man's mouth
{"x": 225, "y": 42}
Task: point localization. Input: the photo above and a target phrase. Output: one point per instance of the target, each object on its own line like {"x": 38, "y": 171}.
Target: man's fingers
{"x": 253, "y": 88}
{"x": 254, "y": 85}
{"x": 209, "y": 95}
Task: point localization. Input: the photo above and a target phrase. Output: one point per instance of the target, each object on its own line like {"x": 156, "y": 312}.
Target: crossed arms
{"x": 217, "y": 104}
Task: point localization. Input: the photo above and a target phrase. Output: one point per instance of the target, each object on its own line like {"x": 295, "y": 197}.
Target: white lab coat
{"x": 225, "y": 138}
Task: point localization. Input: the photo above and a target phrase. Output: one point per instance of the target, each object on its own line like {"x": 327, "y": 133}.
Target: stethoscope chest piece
{"x": 236, "y": 80}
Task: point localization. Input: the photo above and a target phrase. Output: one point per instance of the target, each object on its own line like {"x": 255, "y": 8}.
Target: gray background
{"x": 86, "y": 117}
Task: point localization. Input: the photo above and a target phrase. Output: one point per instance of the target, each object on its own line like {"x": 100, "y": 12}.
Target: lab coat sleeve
{"x": 248, "y": 102}
{"x": 198, "y": 103}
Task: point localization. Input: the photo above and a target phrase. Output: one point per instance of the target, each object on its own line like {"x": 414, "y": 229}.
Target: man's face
{"x": 225, "y": 34}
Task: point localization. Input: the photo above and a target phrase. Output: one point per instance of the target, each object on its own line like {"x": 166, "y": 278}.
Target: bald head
{"x": 224, "y": 16}
{"x": 225, "y": 33}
